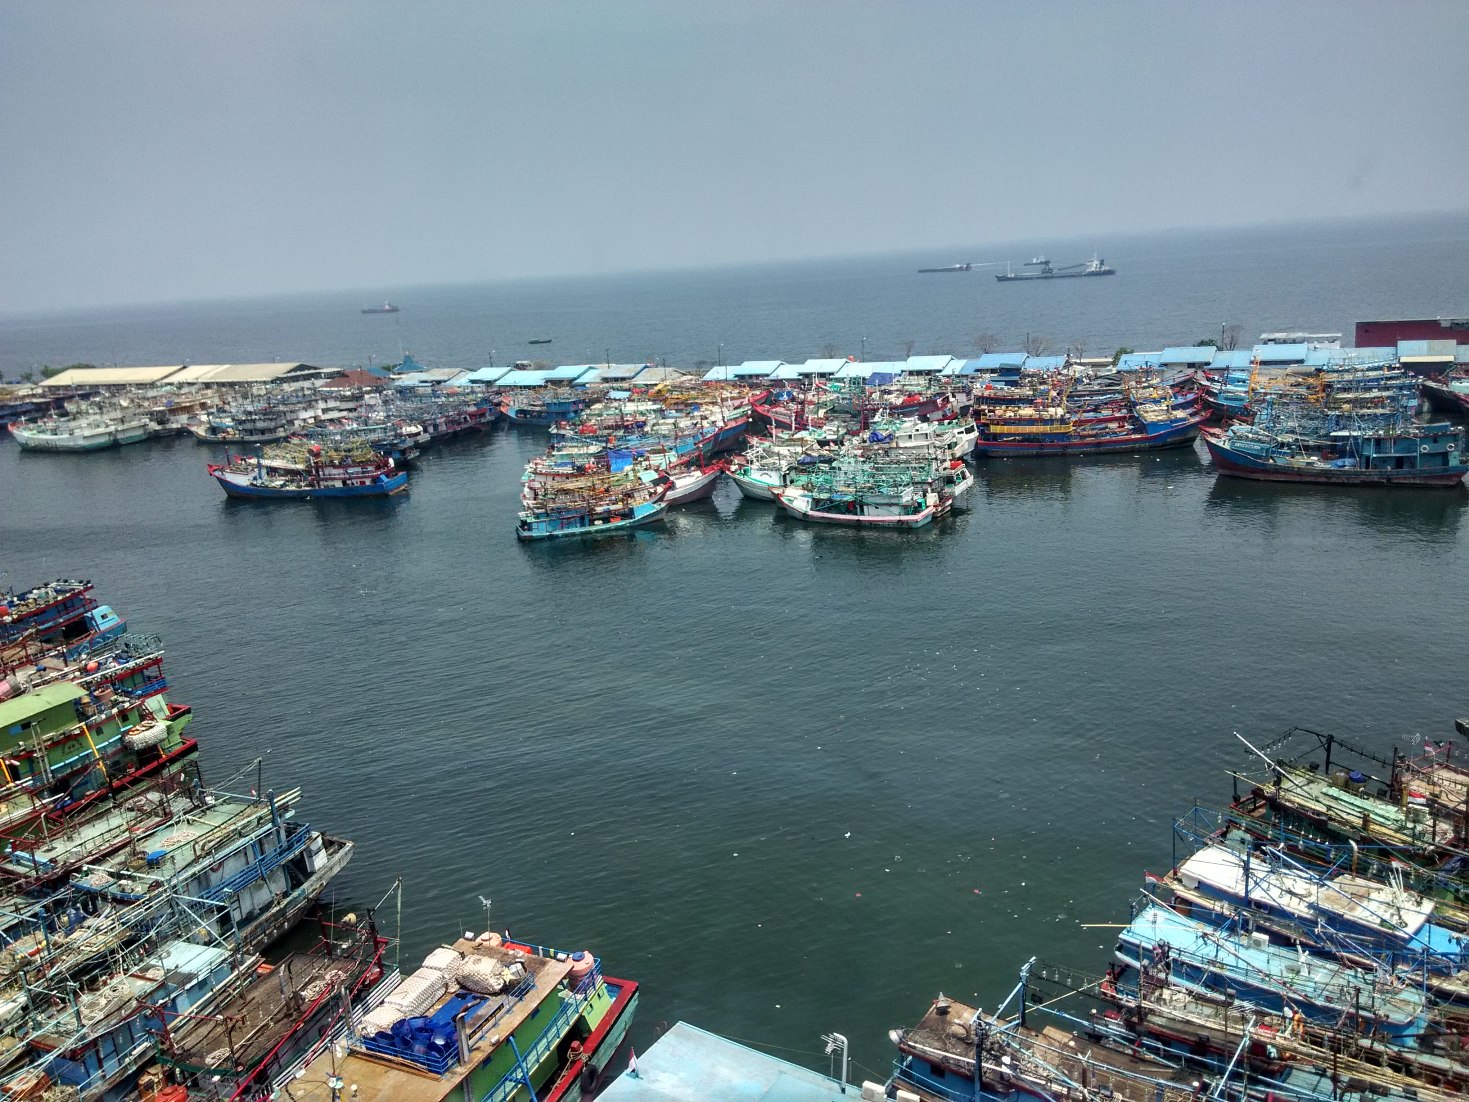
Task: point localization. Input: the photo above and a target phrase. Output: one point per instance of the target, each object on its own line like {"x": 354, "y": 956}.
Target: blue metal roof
{"x": 1192, "y": 355}
{"x": 722, "y": 374}
{"x": 752, "y": 368}
{"x": 485, "y": 375}
{"x": 568, "y": 372}
{"x": 1281, "y": 353}
{"x": 860, "y": 369}
{"x": 522, "y": 377}
{"x": 926, "y": 364}
{"x": 1231, "y": 359}
{"x": 786, "y": 372}
{"x": 1043, "y": 363}
{"x": 957, "y": 367}
{"x": 992, "y": 360}
{"x": 822, "y": 367}
{"x": 687, "y": 1064}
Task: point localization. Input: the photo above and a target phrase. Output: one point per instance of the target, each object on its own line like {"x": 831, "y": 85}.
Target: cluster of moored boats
{"x": 864, "y": 444}
{"x": 1309, "y": 944}
{"x": 891, "y": 455}
{"x": 139, "y": 902}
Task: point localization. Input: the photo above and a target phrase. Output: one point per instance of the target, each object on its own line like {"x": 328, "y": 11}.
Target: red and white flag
{"x": 632, "y": 1063}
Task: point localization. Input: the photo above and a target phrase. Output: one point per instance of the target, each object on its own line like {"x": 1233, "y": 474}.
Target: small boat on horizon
{"x": 386, "y": 308}
{"x": 950, "y": 268}
{"x": 540, "y": 340}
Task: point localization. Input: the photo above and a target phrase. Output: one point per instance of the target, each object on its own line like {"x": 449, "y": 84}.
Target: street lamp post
{"x": 864, "y": 348}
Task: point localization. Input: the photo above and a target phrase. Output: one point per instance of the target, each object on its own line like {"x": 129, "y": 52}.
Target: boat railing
{"x": 543, "y": 1045}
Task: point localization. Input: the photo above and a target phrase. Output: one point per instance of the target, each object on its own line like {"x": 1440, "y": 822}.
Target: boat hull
{"x": 589, "y": 530}
{"x": 241, "y": 486}
{"x": 800, "y": 508}
{"x": 1178, "y": 436}
{"x": 753, "y": 488}
{"x": 84, "y": 441}
{"x": 693, "y": 489}
{"x": 585, "y": 1077}
{"x": 1236, "y": 464}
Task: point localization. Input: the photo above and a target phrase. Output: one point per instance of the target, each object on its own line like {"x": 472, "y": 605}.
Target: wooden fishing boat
{"x": 301, "y": 472}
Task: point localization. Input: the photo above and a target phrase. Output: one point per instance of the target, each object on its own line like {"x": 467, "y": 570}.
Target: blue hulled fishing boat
{"x": 1410, "y": 455}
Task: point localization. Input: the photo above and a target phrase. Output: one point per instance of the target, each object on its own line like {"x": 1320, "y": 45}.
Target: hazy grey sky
{"x": 156, "y": 150}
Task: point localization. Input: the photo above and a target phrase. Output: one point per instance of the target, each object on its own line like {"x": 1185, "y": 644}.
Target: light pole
{"x": 719, "y": 354}
{"x": 864, "y": 348}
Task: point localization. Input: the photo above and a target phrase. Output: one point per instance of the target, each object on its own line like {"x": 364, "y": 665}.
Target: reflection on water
{"x": 1413, "y": 512}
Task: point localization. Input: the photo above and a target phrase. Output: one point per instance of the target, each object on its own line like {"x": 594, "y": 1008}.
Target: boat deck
{"x": 374, "y": 1078}
{"x": 687, "y": 1064}
{"x": 1038, "y": 1055}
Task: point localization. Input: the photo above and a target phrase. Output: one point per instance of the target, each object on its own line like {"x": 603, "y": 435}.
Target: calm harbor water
{"x": 792, "y": 779}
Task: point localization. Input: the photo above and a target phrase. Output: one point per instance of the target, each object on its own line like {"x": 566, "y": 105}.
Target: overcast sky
{"x": 153, "y": 151}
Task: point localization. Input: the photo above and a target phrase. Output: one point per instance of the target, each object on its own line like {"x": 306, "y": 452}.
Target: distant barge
{"x": 1096, "y": 266}
{"x": 950, "y": 268}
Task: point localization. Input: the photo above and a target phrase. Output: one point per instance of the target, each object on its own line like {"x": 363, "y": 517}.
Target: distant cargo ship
{"x": 1096, "y": 266}
{"x": 385, "y": 308}
{"x": 950, "y": 268}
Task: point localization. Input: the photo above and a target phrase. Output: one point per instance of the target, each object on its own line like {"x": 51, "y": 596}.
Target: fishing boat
{"x": 876, "y": 495}
{"x": 309, "y": 471}
{"x": 1249, "y": 968}
{"x": 385, "y": 308}
{"x": 486, "y": 1017}
{"x": 959, "y": 1053}
{"x": 599, "y": 509}
{"x": 284, "y": 1011}
{"x": 81, "y": 434}
{"x": 1359, "y": 920}
{"x": 1448, "y": 394}
{"x": 695, "y": 483}
{"x": 1409, "y": 455}
{"x": 1055, "y": 431}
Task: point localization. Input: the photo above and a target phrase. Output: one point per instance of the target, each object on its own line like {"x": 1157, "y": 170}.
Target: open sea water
{"x": 792, "y": 779}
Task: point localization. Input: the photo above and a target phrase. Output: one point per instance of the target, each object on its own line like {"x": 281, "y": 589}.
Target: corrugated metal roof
{"x": 859, "y": 369}
{"x": 653, "y": 374}
{"x": 1131, "y": 361}
{"x": 1428, "y": 348}
{"x": 721, "y": 374}
{"x": 822, "y": 367}
{"x": 1281, "y": 353}
{"x": 110, "y": 376}
{"x": 921, "y": 364}
{"x": 1043, "y": 363}
{"x": 568, "y": 372}
{"x": 992, "y": 360}
{"x": 619, "y": 372}
{"x": 521, "y": 377}
{"x": 485, "y": 375}
{"x": 244, "y": 373}
{"x": 786, "y": 372}
{"x": 956, "y": 367}
{"x": 438, "y": 376}
{"x": 754, "y": 367}
{"x": 1231, "y": 359}
{"x": 1328, "y": 357}
{"x": 1191, "y": 354}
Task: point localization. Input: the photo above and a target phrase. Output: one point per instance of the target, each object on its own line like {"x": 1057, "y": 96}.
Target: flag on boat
{"x": 632, "y": 1063}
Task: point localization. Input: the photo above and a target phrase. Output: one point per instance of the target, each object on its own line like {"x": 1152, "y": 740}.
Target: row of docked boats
{"x": 1350, "y": 424}
{"x": 141, "y": 912}
{"x": 1311, "y": 942}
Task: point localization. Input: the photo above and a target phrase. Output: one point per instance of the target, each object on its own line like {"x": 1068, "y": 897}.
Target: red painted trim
{"x": 571, "y": 1075}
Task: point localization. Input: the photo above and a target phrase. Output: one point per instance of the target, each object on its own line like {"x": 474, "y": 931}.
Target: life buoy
{"x": 1423, "y": 448}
